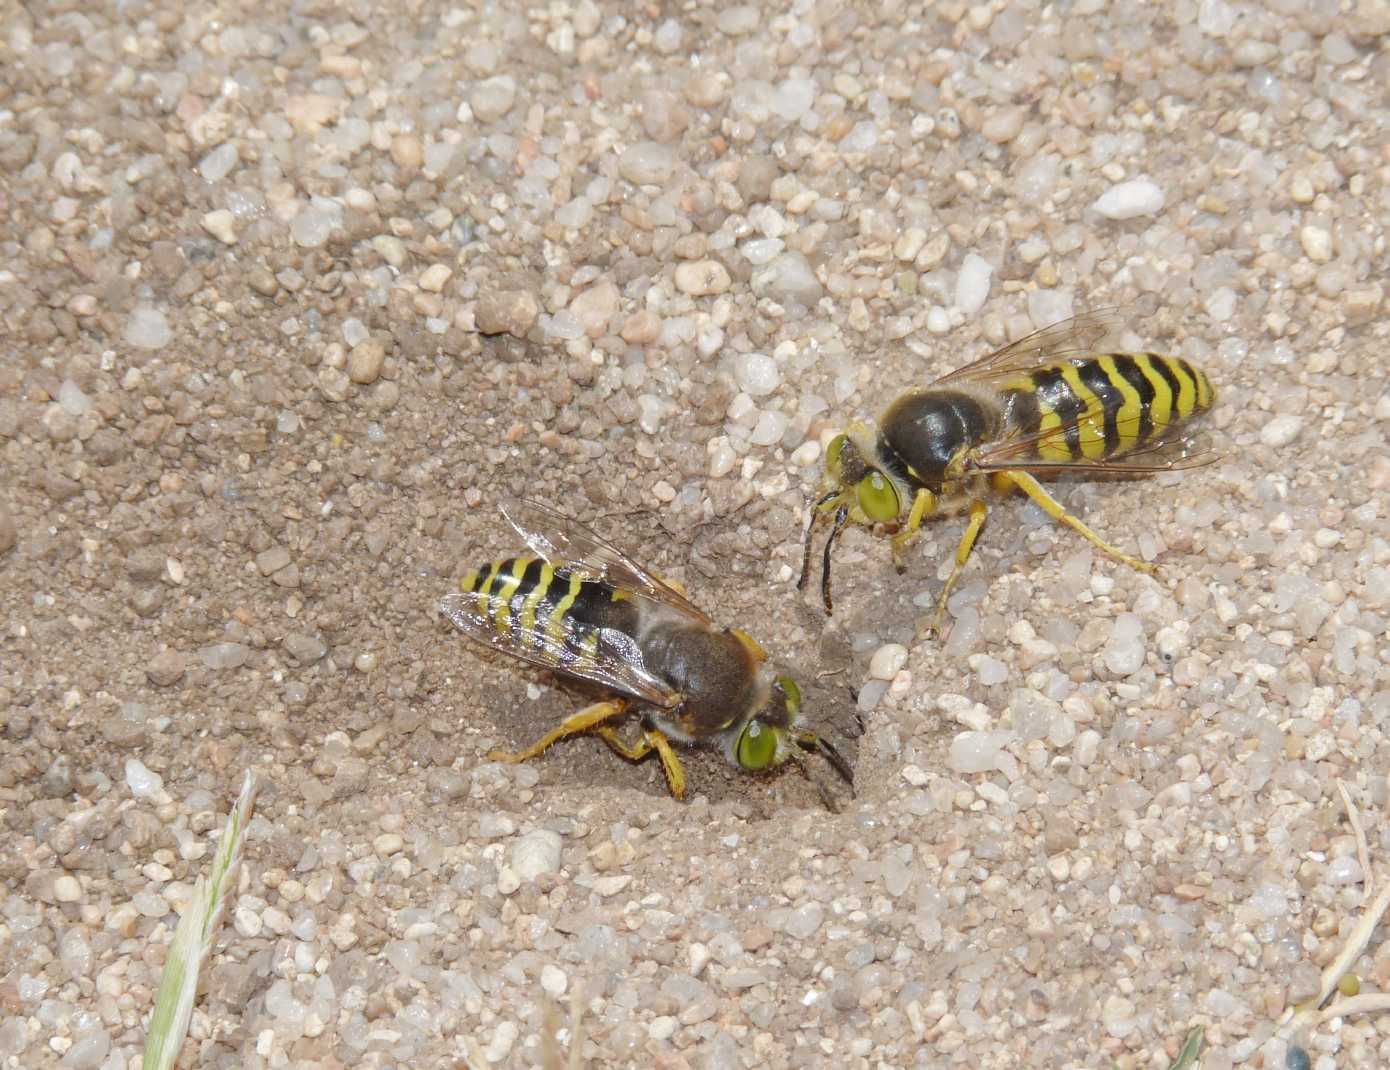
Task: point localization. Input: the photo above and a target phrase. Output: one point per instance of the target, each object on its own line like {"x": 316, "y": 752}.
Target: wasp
{"x": 582, "y": 608}
{"x": 1045, "y": 404}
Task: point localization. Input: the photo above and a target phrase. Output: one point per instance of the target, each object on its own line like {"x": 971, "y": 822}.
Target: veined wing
{"x": 565, "y": 542}
{"x": 1071, "y": 338}
{"x": 603, "y": 656}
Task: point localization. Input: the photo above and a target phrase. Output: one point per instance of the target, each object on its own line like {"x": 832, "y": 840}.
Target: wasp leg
{"x": 586, "y": 720}
{"x": 1055, "y": 509}
{"x": 652, "y": 741}
{"x": 978, "y": 512}
{"x": 923, "y": 505}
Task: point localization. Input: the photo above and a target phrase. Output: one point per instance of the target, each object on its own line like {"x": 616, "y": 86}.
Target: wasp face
{"x": 861, "y": 483}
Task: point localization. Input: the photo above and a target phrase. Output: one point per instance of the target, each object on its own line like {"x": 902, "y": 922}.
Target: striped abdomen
{"x": 1105, "y": 405}
{"x": 548, "y": 609}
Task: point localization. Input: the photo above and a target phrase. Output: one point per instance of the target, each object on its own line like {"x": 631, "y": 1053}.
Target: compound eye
{"x": 791, "y": 693}
{"x": 757, "y": 746}
{"x": 878, "y": 498}
{"x": 833, "y": 455}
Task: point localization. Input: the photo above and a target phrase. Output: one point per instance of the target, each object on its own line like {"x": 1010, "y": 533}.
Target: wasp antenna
{"x": 841, "y": 517}
{"x": 812, "y": 741}
{"x": 806, "y": 543}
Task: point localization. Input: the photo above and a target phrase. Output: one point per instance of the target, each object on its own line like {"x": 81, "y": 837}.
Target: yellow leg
{"x": 1053, "y": 508}
{"x": 586, "y": 720}
{"x": 978, "y": 512}
{"x": 923, "y": 505}
{"x": 652, "y": 741}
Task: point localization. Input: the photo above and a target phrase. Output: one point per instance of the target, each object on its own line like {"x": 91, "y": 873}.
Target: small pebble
{"x": 146, "y": 328}
{"x": 702, "y": 277}
{"x": 972, "y": 284}
{"x": 221, "y": 224}
{"x": 492, "y": 98}
{"x": 647, "y": 163}
{"x": 757, "y": 374}
{"x": 1317, "y": 243}
{"x": 887, "y": 660}
{"x": 536, "y": 853}
{"x": 1281, "y": 430}
{"x": 1129, "y": 200}
{"x": 143, "y": 783}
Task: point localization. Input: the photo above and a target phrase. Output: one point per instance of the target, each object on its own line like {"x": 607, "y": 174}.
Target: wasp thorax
{"x": 715, "y": 672}
{"x": 929, "y": 429}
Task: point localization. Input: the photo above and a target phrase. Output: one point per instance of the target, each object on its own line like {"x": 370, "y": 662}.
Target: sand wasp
{"x": 582, "y": 608}
{"x": 1048, "y": 403}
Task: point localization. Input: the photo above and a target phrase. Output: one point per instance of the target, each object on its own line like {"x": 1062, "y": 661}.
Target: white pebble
{"x": 1124, "y": 651}
{"x": 977, "y": 752}
{"x": 434, "y": 277}
{"x": 536, "y": 853}
{"x": 144, "y": 783}
{"x": 972, "y": 284}
{"x": 1220, "y": 304}
{"x": 554, "y": 980}
{"x": 1086, "y": 747}
{"x": 887, "y": 660}
{"x": 218, "y": 163}
{"x": 757, "y": 374}
{"x": 647, "y": 163}
{"x": 769, "y": 429}
{"x": 739, "y": 20}
{"x": 1316, "y": 242}
{"x": 701, "y": 277}
{"x": 1129, "y": 200}
{"x": 793, "y": 98}
{"x": 73, "y": 401}
{"x": 722, "y": 457}
{"x": 147, "y": 328}
{"x": 503, "y": 1037}
{"x": 668, "y": 37}
{"x": 788, "y": 278}
{"x": 493, "y": 98}
{"x": 1281, "y": 430}
{"x": 807, "y": 454}
{"x": 221, "y": 224}
{"x": 311, "y": 227}
{"x": 989, "y": 671}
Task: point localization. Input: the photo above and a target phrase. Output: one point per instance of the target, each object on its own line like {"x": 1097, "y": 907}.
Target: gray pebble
{"x": 305, "y": 649}
{"x": 165, "y": 668}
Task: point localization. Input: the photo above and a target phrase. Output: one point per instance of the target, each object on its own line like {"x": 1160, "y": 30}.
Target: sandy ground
{"x": 289, "y": 299}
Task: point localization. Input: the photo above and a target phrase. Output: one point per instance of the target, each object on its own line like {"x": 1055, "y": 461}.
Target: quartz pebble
{"x": 535, "y": 854}
{"x": 1281, "y": 430}
{"x": 702, "y": 277}
{"x": 757, "y": 374}
{"x": 887, "y": 660}
{"x": 1130, "y": 200}
{"x": 1124, "y": 652}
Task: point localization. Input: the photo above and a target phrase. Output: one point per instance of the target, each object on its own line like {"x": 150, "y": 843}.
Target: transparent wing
{"x": 611, "y": 658}
{"x": 563, "y": 541}
{"x": 1071, "y": 338}
{"x": 1176, "y": 449}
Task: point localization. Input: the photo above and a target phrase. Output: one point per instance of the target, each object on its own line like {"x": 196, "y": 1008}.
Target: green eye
{"x": 832, "y": 454}
{"x": 878, "y": 498}
{"x": 791, "y": 692}
{"x": 757, "y": 746}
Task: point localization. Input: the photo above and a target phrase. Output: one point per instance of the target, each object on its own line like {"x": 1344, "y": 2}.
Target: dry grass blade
{"x": 1356, "y": 943}
{"x": 1363, "y": 854}
{"x": 192, "y": 942}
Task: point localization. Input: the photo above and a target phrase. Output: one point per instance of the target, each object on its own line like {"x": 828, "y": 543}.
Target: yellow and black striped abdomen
{"x": 1105, "y": 405}
{"x": 548, "y": 609}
